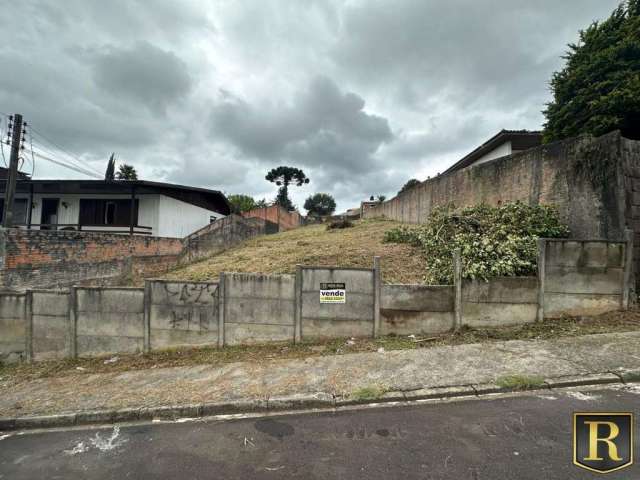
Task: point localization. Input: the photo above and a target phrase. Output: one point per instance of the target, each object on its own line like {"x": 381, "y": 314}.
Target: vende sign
{"x": 332, "y": 293}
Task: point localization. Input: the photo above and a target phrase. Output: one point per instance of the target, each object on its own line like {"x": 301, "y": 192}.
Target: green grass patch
{"x": 520, "y": 382}
{"x": 372, "y": 392}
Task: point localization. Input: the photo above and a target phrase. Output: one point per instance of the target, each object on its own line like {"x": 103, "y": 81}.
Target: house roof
{"x": 4, "y": 173}
{"x": 201, "y": 197}
{"x": 520, "y": 140}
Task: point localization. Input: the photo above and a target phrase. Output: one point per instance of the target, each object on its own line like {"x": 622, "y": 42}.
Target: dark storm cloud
{"x": 363, "y": 94}
{"x": 143, "y": 73}
{"x": 321, "y": 127}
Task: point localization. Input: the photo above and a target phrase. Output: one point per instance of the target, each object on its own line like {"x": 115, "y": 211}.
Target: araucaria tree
{"x": 598, "y": 90}
{"x": 283, "y": 177}
{"x": 320, "y": 204}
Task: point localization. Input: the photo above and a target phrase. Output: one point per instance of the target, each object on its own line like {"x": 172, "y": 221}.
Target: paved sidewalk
{"x": 331, "y": 377}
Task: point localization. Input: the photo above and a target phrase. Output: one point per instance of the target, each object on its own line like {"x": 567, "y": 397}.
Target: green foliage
{"x": 520, "y": 382}
{"x": 284, "y": 176}
{"x": 598, "y": 90}
{"x": 241, "y": 203}
{"x": 494, "y": 241}
{"x": 262, "y": 203}
{"x": 410, "y": 184}
{"x": 126, "y": 172}
{"x": 320, "y": 204}
{"x": 381, "y": 198}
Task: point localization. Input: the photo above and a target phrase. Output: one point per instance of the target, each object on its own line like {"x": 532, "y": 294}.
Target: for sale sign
{"x": 332, "y": 293}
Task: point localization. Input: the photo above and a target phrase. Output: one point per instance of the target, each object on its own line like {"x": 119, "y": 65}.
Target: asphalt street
{"x": 510, "y": 437}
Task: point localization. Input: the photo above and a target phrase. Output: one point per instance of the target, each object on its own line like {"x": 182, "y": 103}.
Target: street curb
{"x": 320, "y": 400}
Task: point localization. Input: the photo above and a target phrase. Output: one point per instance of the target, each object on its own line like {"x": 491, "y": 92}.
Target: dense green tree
{"x": 410, "y": 184}
{"x": 381, "y": 198}
{"x": 241, "y": 203}
{"x": 283, "y": 177}
{"x": 320, "y": 204}
{"x": 109, "y": 174}
{"x": 262, "y": 203}
{"x": 598, "y": 90}
{"x": 126, "y": 172}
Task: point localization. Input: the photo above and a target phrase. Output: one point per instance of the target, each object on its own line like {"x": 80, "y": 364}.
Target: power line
{"x": 63, "y": 150}
{"x": 66, "y": 165}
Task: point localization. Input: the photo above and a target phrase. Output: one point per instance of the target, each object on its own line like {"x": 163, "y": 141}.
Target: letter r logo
{"x": 603, "y": 442}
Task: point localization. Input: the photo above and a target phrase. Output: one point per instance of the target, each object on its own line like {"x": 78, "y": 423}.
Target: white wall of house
{"x": 166, "y": 216}
{"x": 178, "y": 219}
{"x": 499, "y": 151}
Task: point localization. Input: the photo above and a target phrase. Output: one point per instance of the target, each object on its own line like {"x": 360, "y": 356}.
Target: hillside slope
{"x": 314, "y": 245}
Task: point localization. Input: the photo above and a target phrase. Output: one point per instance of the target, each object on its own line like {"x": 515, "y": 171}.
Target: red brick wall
{"x": 276, "y": 215}
{"x": 32, "y": 258}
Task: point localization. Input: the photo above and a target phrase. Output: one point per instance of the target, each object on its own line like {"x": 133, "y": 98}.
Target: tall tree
{"x": 598, "y": 90}
{"x": 241, "y": 203}
{"x": 381, "y": 198}
{"x": 283, "y": 177}
{"x": 320, "y": 204}
{"x": 109, "y": 174}
{"x": 410, "y": 184}
{"x": 126, "y": 172}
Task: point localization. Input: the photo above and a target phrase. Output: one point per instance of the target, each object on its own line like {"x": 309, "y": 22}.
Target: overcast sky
{"x": 362, "y": 95}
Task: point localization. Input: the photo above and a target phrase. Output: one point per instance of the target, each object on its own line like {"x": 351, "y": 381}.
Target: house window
{"x": 19, "y": 211}
{"x": 102, "y": 212}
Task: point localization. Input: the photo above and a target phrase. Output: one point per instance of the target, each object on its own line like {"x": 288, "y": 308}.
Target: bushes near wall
{"x": 494, "y": 241}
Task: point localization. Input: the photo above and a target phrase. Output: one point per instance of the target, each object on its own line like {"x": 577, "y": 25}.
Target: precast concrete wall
{"x": 12, "y": 327}
{"x": 258, "y": 308}
{"x": 500, "y": 301}
{"x": 583, "y": 277}
{"x": 50, "y": 324}
{"x": 109, "y": 320}
{"x": 181, "y": 314}
{"x": 353, "y": 318}
{"x": 407, "y": 309}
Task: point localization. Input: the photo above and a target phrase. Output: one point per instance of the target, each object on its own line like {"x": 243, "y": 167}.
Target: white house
{"x": 504, "y": 143}
{"x": 132, "y": 207}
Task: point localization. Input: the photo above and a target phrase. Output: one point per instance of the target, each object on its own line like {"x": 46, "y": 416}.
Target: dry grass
{"x": 314, "y": 245}
{"x": 566, "y": 327}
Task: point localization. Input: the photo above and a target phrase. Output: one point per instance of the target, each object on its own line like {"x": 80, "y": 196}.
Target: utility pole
{"x": 10, "y": 191}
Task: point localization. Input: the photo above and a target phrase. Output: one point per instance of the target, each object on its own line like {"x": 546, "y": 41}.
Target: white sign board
{"x": 332, "y": 293}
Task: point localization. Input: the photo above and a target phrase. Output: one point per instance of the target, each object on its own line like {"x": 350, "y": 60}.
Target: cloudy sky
{"x": 362, "y": 95}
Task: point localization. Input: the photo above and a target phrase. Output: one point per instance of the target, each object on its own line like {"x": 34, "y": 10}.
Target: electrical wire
{"x": 66, "y": 165}
{"x": 83, "y": 164}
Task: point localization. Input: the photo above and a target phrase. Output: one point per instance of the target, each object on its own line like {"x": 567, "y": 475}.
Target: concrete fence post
{"x": 73, "y": 323}
{"x": 377, "y": 291}
{"x": 297, "y": 305}
{"x": 542, "y": 262}
{"x": 222, "y": 303}
{"x": 28, "y": 330}
{"x": 147, "y": 316}
{"x": 457, "y": 284}
{"x": 628, "y": 276}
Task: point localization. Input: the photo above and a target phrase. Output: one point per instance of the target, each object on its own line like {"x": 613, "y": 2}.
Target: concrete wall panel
{"x": 12, "y": 327}
{"x": 405, "y": 322}
{"x": 479, "y": 315}
{"x": 325, "y": 328}
{"x": 50, "y": 325}
{"x": 249, "y": 333}
{"x": 423, "y": 298}
{"x": 560, "y": 304}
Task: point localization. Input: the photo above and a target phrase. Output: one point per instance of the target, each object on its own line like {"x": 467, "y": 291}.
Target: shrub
{"x": 340, "y": 224}
{"x": 494, "y": 241}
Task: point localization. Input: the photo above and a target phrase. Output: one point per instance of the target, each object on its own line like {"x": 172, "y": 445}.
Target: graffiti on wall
{"x": 193, "y": 306}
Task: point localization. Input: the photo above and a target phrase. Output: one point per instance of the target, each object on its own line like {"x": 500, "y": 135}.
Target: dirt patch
{"x": 564, "y": 327}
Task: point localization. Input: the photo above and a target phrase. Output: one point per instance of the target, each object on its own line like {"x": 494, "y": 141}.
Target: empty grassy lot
{"x": 314, "y": 245}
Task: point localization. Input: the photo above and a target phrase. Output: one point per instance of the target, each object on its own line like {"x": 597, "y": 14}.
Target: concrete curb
{"x": 320, "y": 400}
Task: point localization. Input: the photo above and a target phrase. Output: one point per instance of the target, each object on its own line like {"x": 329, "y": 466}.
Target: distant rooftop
{"x": 520, "y": 140}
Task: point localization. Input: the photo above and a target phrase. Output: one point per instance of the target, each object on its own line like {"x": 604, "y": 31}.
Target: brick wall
{"x": 542, "y": 175}
{"x": 34, "y": 258}
{"x": 276, "y": 215}
{"x": 51, "y": 259}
